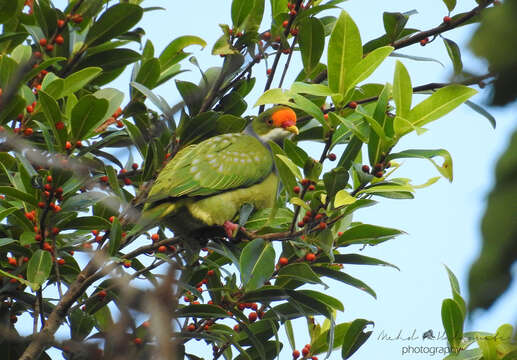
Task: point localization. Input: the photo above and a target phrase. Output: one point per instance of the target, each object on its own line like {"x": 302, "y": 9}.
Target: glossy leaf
{"x": 451, "y": 4}
{"x": 402, "y": 90}
{"x": 113, "y": 22}
{"x": 201, "y": 310}
{"x": 299, "y": 272}
{"x": 345, "y": 278}
{"x": 174, "y": 53}
{"x": 445, "y": 169}
{"x": 257, "y": 263}
{"x": 354, "y": 337}
{"x": 364, "y": 68}
{"x": 18, "y": 194}
{"x": 344, "y": 52}
{"x": 365, "y": 233}
{"x": 311, "y": 37}
{"x": 87, "y": 115}
{"x": 81, "y": 324}
{"x": 452, "y": 320}
{"x": 38, "y": 268}
{"x": 79, "y": 79}
{"x": 454, "y": 54}
{"x": 394, "y": 23}
{"x": 436, "y": 106}
{"x": 480, "y": 110}
{"x": 335, "y": 181}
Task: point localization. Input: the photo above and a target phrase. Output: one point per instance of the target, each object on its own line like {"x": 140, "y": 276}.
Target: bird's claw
{"x": 230, "y": 228}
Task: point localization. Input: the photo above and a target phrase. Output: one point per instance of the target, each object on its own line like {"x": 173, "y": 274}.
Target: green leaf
{"x": 445, "y": 169}
{"x": 454, "y": 53}
{"x": 52, "y": 115}
{"x": 241, "y": 9}
{"x": 345, "y": 278}
{"x": 87, "y": 115}
{"x": 155, "y": 99}
{"x": 271, "y": 349}
{"x": 327, "y": 299}
{"x": 354, "y": 337}
{"x": 394, "y": 23}
{"x": 480, "y": 110}
{"x": 174, "y": 53}
{"x": 18, "y": 194}
{"x": 364, "y": 68}
{"x": 344, "y": 52}
{"x": 335, "y": 181}
{"x": 38, "y": 268}
{"x": 8, "y": 9}
{"x": 299, "y": 272}
{"x": 192, "y": 95}
{"x": 7, "y": 241}
{"x": 402, "y": 90}
{"x": 79, "y": 79}
{"x": 87, "y": 223}
{"x": 6, "y": 212}
{"x": 257, "y": 263}
{"x": 274, "y": 96}
{"x": 368, "y": 234}
{"x": 321, "y": 343}
{"x": 149, "y": 73}
{"x": 343, "y": 198}
{"x": 311, "y": 37}
{"x": 115, "y": 21}
{"x": 311, "y": 89}
{"x": 290, "y": 165}
{"x": 451, "y": 4}
{"x": 357, "y": 259}
{"x": 376, "y": 145}
{"x": 81, "y": 324}
{"x": 437, "y": 105}
{"x": 202, "y": 311}
{"x": 456, "y": 294}
{"x": 452, "y": 319}
{"x": 115, "y": 237}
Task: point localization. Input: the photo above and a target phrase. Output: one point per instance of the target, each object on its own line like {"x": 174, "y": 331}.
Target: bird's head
{"x": 275, "y": 124}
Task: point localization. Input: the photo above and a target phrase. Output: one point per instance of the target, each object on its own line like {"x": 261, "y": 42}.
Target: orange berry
{"x": 127, "y": 181}
{"x": 296, "y": 354}
{"x": 155, "y": 237}
{"x": 322, "y": 225}
{"x": 68, "y": 145}
{"x": 60, "y": 23}
{"x": 137, "y": 341}
{"x": 49, "y": 47}
{"x": 162, "y": 249}
{"x": 104, "y": 179}
{"x": 191, "y": 327}
{"x": 47, "y": 246}
{"x": 296, "y": 189}
{"x": 60, "y": 125}
{"x": 43, "y": 42}
{"x": 61, "y": 261}
{"x": 252, "y": 316}
{"x": 102, "y": 293}
{"x": 146, "y": 324}
{"x": 236, "y": 328}
{"x": 29, "y": 108}
{"x": 55, "y": 230}
{"x": 112, "y": 218}
{"x": 12, "y": 261}
{"x": 283, "y": 261}
{"x": 210, "y": 273}
{"x": 28, "y": 132}
{"x": 446, "y": 19}
{"x": 269, "y": 71}
{"x": 311, "y": 187}
{"x": 266, "y": 35}
{"x": 310, "y": 257}
{"x": 285, "y": 23}
{"x": 352, "y": 104}
{"x": 127, "y": 263}
{"x": 59, "y": 40}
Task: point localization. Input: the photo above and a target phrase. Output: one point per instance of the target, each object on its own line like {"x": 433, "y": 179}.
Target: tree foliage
{"x": 70, "y": 252}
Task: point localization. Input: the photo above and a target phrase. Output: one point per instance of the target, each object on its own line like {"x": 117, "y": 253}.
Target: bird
{"x": 205, "y": 184}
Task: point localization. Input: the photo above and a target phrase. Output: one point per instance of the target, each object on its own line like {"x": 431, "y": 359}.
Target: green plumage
{"x": 207, "y": 183}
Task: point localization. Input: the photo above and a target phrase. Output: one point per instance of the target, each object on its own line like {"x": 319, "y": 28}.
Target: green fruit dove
{"x": 206, "y": 184}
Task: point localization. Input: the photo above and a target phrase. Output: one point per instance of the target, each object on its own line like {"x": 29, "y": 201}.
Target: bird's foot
{"x": 230, "y": 228}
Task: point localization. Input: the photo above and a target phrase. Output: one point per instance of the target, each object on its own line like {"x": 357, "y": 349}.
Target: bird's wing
{"x": 215, "y": 165}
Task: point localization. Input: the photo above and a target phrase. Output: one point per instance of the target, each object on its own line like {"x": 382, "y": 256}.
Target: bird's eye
{"x": 269, "y": 121}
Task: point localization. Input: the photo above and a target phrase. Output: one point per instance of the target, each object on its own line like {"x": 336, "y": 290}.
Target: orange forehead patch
{"x": 284, "y": 117}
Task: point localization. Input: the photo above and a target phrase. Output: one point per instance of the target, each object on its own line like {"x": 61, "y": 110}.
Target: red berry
{"x": 283, "y": 261}
{"x": 55, "y": 230}
{"x": 47, "y": 247}
{"x": 76, "y": 18}
{"x": 269, "y": 71}
{"x": 252, "y": 316}
{"x": 43, "y": 42}
{"x": 307, "y": 346}
{"x": 210, "y": 273}
{"x": 29, "y": 108}
{"x": 285, "y": 23}
{"x": 102, "y": 293}
{"x": 127, "y": 263}
{"x": 104, "y": 179}
{"x": 301, "y": 224}
{"x": 236, "y": 328}
{"x": 332, "y": 156}
{"x": 191, "y": 327}
{"x": 49, "y": 47}
{"x": 379, "y": 174}
{"x": 446, "y": 19}
{"x": 137, "y": 341}
{"x": 61, "y": 261}
{"x": 155, "y": 237}
{"x": 292, "y": 12}
{"x": 294, "y": 32}
{"x": 12, "y": 261}
{"x": 339, "y": 233}
{"x": 266, "y": 35}
{"x": 68, "y": 145}
{"x": 326, "y": 116}
{"x": 37, "y": 54}
{"x": 162, "y": 249}
{"x": 41, "y": 204}
{"x": 60, "y": 23}
{"x": 296, "y": 189}
{"x": 365, "y": 168}
{"x": 305, "y": 182}
{"x": 49, "y": 178}
{"x": 318, "y": 216}
{"x": 134, "y": 166}
{"x": 78, "y": 144}
{"x": 47, "y": 187}
{"x": 305, "y": 351}
{"x": 424, "y": 42}
{"x": 322, "y": 225}
{"x": 120, "y": 124}
{"x": 59, "y": 40}
{"x": 37, "y": 237}
{"x": 127, "y": 181}
{"x": 296, "y": 354}
{"x": 311, "y": 187}
{"x": 310, "y": 257}
{"x": 60, "y": 125}
{"x": 28, "y": 132}
{"x": 254, "y": 306}
{"x": 352, "y": 104}
{"x": 241, "y": 306}
{"x": 314, "y": 358}
{"x": 112, "y": 218}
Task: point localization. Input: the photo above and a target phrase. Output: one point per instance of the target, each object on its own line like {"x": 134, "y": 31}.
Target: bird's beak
{"x": 293, "y": 129}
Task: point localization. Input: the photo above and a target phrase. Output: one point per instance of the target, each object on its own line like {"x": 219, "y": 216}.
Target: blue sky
{"x": 442, "y": 222}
